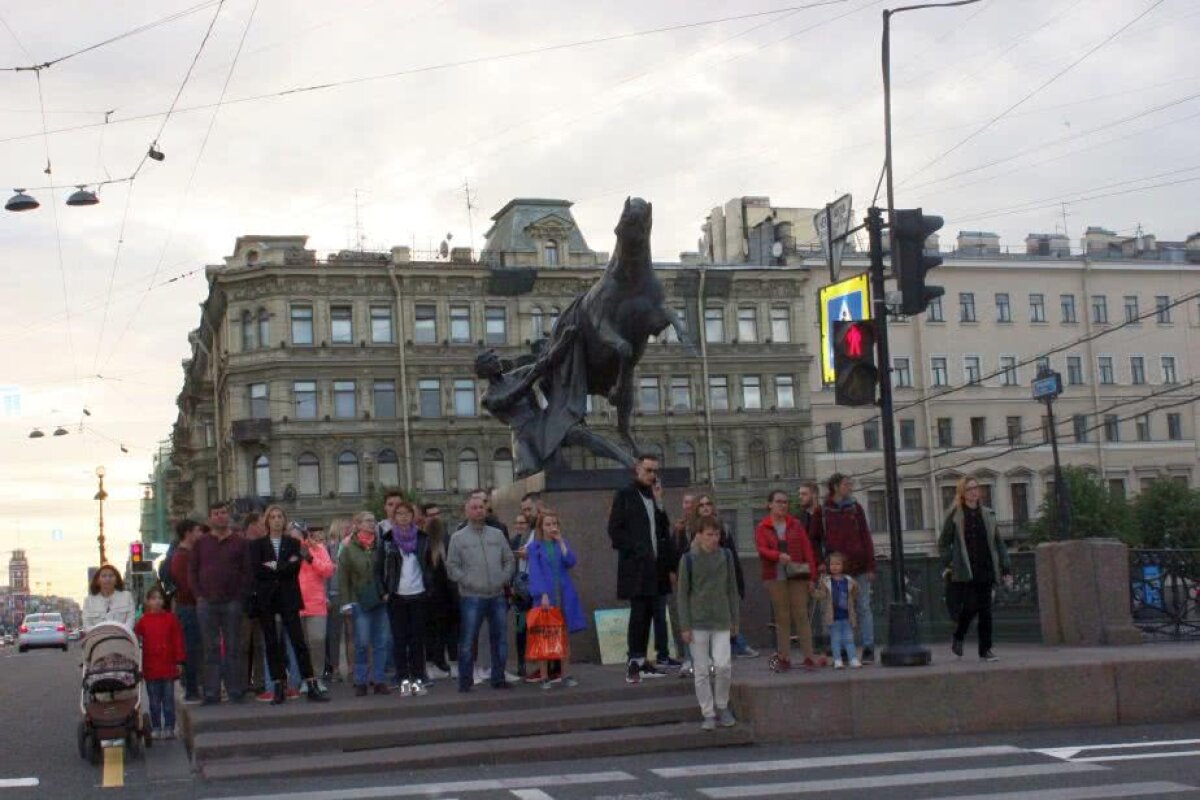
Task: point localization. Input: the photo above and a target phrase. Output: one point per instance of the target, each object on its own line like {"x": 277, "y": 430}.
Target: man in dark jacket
{"x": 641, "y": 534}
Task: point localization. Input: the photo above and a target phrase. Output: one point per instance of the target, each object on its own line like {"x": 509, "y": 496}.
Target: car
{"x": 75, "y": 635}
{"x": 42, "y": 630}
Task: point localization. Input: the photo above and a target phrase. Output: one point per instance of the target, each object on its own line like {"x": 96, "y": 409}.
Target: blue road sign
{"x": 845, "y": 300}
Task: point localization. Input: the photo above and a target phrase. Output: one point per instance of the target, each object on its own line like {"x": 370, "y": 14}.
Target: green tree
{"x": 1166, "y": 514}
{"x": 1096, "y": 512}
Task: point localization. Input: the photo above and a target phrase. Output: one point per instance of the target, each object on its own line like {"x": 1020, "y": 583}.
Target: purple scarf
{"x": 406, "y": 538}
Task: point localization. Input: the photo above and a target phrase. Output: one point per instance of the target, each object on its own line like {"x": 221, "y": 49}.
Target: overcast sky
{"x": 786, "y": 105}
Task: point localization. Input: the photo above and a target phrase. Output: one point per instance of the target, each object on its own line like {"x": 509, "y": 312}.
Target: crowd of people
{"x": 267, "y": 609}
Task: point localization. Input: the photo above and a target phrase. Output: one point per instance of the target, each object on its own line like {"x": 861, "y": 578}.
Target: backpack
{"x": 164, "y": 575}
{"x": 687, "y": 557}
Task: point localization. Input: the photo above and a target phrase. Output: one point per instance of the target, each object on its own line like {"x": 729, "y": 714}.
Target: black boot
{"x": 316, "y": 693}
{"x": 280, "y": 693}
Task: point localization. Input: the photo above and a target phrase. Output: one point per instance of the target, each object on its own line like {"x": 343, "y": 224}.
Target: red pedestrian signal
{"x": 137, "y": 559}
{"x": 856, "y": 375}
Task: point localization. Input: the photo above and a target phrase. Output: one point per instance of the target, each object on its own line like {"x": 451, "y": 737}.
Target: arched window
{"x": 262, "y": 476}
{"x": 348, "y": 473}
{"x": 308, "y": 475}
{"x": 791, "y": 458}
{"x": 685, "y": 456}
{"x": 722, "y": 463}
{"x": 502, "y": 467}
{"x": 247, "y": 331}
{"x": 468, "y": 470}
{"x": 758, "y": 460}
{"x": 433, "y": 471}
{"x": 553, "y": 320}
{"x": 536, "y": 323}
{"x": 264, "y": 328}
{"x": 551, "y": 253}
{"x": 389, "y": 468}
{"x": 655, "y": 449}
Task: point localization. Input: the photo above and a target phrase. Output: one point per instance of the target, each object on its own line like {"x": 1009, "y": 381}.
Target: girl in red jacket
{"x": 163, "y": 655}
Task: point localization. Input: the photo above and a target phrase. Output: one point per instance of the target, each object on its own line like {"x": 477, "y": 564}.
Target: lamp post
{"x": 101, "y": 495}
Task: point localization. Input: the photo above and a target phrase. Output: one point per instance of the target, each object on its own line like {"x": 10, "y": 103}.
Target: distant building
{"x": 18, "y": 573}
{"x": 749, "y": 230}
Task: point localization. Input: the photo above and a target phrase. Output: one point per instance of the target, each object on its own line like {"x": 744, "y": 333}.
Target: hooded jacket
{"x": 847, "y": 532}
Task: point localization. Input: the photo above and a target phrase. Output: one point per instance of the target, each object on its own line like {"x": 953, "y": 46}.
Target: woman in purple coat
{"x": 550, "y": 562}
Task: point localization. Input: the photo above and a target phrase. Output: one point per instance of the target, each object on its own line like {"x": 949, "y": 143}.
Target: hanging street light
{"x": 21, "y": 202}
{"x": 60, "y": 431}
{"x": 36, "y": 433}
{"x": 82, "y": 197}
{"x": 155, "y": 153}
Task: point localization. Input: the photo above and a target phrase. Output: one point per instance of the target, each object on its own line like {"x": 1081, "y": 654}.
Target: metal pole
{"x": 1062, "y": 526}
{"x": 887, "y": 111}
{"x": 100, "y": 495}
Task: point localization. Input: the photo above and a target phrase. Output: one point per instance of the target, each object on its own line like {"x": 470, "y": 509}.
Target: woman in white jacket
{"x": 107, "y": 600}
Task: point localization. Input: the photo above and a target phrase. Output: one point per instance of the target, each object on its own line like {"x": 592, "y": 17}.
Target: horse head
{"x": 636, "y": 220}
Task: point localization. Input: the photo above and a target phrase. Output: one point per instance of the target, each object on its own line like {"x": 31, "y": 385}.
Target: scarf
{"x": 365, "y": 540}
{"x": 405, "y": 539}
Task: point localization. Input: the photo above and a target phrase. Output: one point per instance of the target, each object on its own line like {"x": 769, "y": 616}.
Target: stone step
{"x": 564, "y": 746}
{"x": 358, "y": 735}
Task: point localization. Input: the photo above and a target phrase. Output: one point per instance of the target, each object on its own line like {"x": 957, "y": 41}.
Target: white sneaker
{"x": 837, "y": 664}
{"x": 855, "y": 663}
{"x": 406, "y": 689}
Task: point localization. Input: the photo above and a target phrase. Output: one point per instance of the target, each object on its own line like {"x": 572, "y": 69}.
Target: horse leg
{"x": 582, "y": 436}
{"x": 623, "y": 401}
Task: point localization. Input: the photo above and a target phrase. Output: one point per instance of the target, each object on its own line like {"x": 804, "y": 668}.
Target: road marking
{"x": 421, "y": 789}
{"x": 746, "y": 767}
{"x": 531, "y": 794}
{"x": 1137, "y": 756}
{"x": 17, "y": 783}
{"x": 1088, "y": 792}
{"x": 114, "y": 767}
{"x": 902, "y": 779}
{"x": 1069, "y": 753}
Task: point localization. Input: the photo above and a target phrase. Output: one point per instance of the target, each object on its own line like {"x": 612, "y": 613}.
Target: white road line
{"x": 1137, "y": 756}
{"x": 1068, "y": 753}
{"x": 747, "y": 767}
{"x": 1087, "y": 792}
{"x": 531, "y": 794}
{"x": 17, "y": 783}
{"x": 422, "y": 789}
{"x": 902, "y": 779}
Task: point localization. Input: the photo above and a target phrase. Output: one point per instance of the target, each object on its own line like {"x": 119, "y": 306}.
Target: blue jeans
{"x": 866, "y": 622}
{"x": 193, "y": 645}
{"x": 221, "y": 624}
{"x": 739, "y": 644}
{"x": 841, "y": 637}
{"x": 473, "y": 611}
{"x": 162, "y": 704}
{"x": 370, "y": 638}
{"x": 293, "y": 665}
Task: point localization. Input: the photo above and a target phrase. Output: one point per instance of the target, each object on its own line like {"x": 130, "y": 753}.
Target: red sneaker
{"x": 293, "y": 694}
{"x": 809, "y": 664}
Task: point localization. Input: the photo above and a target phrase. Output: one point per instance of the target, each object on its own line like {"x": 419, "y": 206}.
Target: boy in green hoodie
{"x": 708, "y": 616}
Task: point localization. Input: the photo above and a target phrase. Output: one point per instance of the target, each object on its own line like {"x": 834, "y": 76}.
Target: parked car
{"x": 75, "y": 635}
{"x": 42, "y": 630}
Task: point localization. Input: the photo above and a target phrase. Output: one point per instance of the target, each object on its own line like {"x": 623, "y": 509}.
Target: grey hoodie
{"x": 480, "y": 561}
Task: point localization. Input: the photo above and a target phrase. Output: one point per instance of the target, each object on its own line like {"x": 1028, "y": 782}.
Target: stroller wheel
{"x": 146, "y": 731}
{"x": 82, "y": 738}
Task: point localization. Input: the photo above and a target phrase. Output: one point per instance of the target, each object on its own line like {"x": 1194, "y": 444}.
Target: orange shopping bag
{"x": 545, "y": 635}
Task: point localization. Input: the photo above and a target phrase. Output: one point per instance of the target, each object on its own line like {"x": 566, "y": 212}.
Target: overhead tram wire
{"x": 1089, "y": 198}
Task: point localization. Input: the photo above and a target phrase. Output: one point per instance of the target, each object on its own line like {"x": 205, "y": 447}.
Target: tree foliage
{"x": 1096, "y": 512}
{"x": 1167, "y": 514}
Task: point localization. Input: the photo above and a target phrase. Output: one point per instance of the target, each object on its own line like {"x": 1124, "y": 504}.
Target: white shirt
{"x": 411, "y": 582}
{"x": 650, "y": 509}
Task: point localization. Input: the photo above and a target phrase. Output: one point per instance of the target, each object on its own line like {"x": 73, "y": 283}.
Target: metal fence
{"x": 1165, "y": 593}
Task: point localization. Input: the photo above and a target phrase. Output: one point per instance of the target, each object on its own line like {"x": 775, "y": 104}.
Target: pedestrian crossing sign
{"x": 845, "y": 300}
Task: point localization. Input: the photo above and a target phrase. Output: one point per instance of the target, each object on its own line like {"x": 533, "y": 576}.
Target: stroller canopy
{"x": 110, "y": 639}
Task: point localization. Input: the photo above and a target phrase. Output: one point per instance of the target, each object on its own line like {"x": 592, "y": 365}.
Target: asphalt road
{"x": 39, "y": 698}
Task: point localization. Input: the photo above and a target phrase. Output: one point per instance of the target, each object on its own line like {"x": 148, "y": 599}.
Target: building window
{"x": 305, "y": 393}
{"x": 343, "y": 399}
{"x": 468, "y": 470}
{"x": 1079, "y": 427}
{"x": 833, "y": 437}
{"x": 747, "y": 325}
{"x": 669, "y": 335}
{"x": 1003, "y": 307}
{"x": 966, "y": 307}
{"x": 260, "y": 407}
{"x": 464, "y": 397}
{"x": 1137, "y": 370}
{"x": 341, "y": 325}
{"x": 1067, "y": 301}
{"x": 1106, "y": 370}
{"x": 1100, "y": 309}
{"x": 247, "y": 331}
{"x": 1012, "y": 426}
{"x": 649, "y": 394}
{"x": 1045, "y": 429}
{"x": 908, "y": 434}
{"x": 1162, "y": 309}
{"x": 973, "y": 370}
{"x": 381, "y": 325}
{"x": 1018, "y": 493}
{"x": 1143, "y": 427}
{"x": 302, "y": 325}
{"x": 877, "y": 509}
{"x": 429, "y": 397}
{"x": 1043, "y": 364}
{"x": 723, "y": 466}
{"x": 681, "y": 393}
{"x": 1074, "y": 371}
{"x": 685, "y": 456}
{"x": 210, "y": 434}
{"x": 914, "y": 509}
{"x": 1008, "y": 371}
{"x": 1131, "y": 308}
{"x": 871, "y": 436}
{"x": 785, "y": 393}
{"x": 1175, "y": 427}
{"x": 1112, "y": 428}
{"x": 941, "y": 376}
{"x": 389, "y": 468}
{"x": 757, "y": 461}
{"x": 791, "y": 458}
{"x": 1168, "y": 370}
{"x": 537, "y": 327}
{"x": 902, "y": 372}
{"x": 552, "y": 319}
{"x": 502, "y": 468}
{"x": 781, "y": 325}
{"x": 264, "y": 328}
{"x": 495, "y": 325}
{"x": 948, "y": 493}
{"x": 551, "y": 250}
{"x": 945, "y": 432}
{"x": 1037, "y": 308}
{"x": 718, "y": 393}
{"x": 460, "y": 324}
{"x": 262, "y": 476}
{"x": 714, "y": 325}
{"x": 383, "y": 397}
{"x": 433, "y": 471}
{"x": 308, "y": 475}
{"x": 1116, "y": 488}
{"x": 347, "y": 472}
{"x": 978, "y": 431}
{"x": 933, "y": 313}
{"x": 751, "y": 392}
{"x": 425, "y": 329}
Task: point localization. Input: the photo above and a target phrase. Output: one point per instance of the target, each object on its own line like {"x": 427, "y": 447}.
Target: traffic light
{"x": 137, "y": 562}
{"x": 910, "y": 228}
{"x": 854, "y": 363}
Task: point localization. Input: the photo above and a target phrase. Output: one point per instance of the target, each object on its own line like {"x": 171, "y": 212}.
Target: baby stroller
{"x": 110, "y": 700}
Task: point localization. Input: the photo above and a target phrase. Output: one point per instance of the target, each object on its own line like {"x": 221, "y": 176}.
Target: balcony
{"x": 251, "y": 431}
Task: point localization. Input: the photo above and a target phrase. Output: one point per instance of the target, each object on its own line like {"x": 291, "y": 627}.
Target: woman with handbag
{"x": 363, "y": 601}
{"x": 789, "y": 571}
{"x": 550, "y": 586}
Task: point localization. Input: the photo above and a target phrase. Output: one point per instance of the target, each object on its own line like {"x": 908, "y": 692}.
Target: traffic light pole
{"x": 903, "y": 648}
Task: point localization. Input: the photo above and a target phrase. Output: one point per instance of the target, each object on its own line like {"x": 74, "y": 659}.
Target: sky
{"x": 1003, "y": 111}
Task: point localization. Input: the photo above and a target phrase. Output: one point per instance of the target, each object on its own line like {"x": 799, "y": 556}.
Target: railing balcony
{"x": 251, "y": 431}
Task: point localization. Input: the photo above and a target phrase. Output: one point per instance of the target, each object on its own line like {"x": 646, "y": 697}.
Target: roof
{"x": 510, "y": 233}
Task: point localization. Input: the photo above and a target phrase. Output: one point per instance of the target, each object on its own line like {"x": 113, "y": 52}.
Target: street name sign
{"x": 833, "y": 224}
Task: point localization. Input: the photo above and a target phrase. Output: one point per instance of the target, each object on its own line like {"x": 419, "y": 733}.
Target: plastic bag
{"x": 545, "y": 635}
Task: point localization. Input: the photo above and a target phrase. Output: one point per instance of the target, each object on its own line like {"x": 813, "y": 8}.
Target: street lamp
{"x": 101, "y": 495}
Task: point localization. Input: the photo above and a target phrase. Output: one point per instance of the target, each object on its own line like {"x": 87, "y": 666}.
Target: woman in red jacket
{"x": 163, "y": 655}
{"x": 789, "y": 570}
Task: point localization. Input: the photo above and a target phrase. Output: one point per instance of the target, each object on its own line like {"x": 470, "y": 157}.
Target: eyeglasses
{"x": 704, "y": 503}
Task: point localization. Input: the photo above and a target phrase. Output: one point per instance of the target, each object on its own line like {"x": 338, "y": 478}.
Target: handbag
{"x": 797, "y": 571}
{"x": 545, "y": 635}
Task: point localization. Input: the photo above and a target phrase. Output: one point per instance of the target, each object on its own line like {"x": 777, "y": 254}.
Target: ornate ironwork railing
{"x": 1165, "y": 592}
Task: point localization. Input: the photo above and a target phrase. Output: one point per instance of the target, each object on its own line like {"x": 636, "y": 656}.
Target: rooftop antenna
{"x": 1066, "y": 232}
{"x": 470, "y": 213}
{"x": 358, "y": 230}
